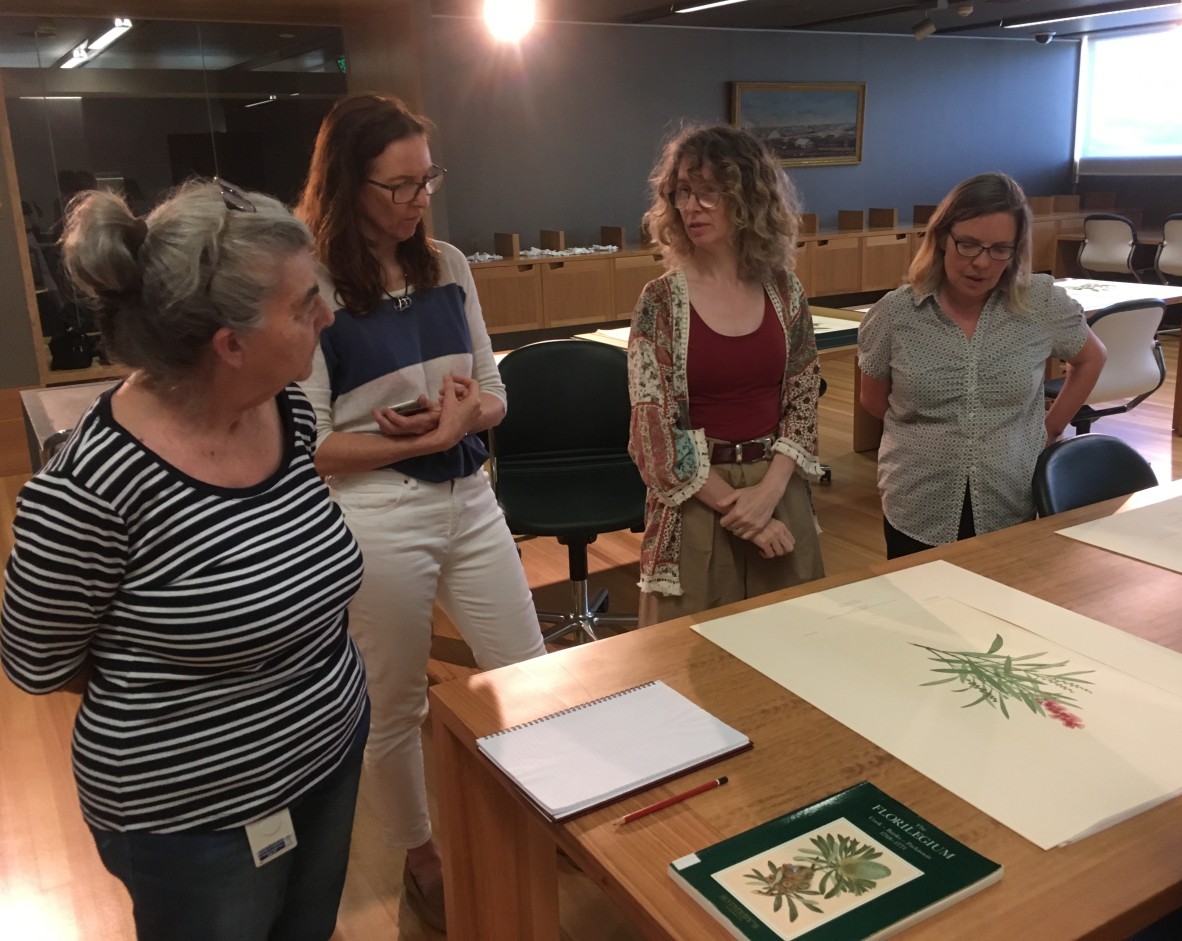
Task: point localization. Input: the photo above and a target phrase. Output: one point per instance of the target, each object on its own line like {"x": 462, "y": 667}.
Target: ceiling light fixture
{"x": 923, "y": 29}
{"x": 85, "y": 51}
{"x": 695, "y": 5}
{"x": 509, "y": 20}
{"x": 1083, "y": 13}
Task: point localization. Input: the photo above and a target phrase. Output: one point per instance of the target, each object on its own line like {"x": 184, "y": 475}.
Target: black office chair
{"x": 1108, "y": 246}
{"x": 1135, "y": 368}
{"x": 1078, "y": 471}
{"x": 560, "y": 464}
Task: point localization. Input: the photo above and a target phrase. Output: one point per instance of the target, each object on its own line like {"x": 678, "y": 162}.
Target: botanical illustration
{"x": 846, "y": 866}
{"x": 995, "y": 677}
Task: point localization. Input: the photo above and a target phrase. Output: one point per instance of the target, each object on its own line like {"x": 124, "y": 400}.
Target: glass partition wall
{"x": 147, "y": 105}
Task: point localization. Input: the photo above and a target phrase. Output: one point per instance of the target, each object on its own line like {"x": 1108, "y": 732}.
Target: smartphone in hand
{"x": 413, "y": 407}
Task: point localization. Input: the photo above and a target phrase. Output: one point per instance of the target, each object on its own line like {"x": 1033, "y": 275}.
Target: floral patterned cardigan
{"x": 671, "y": 455}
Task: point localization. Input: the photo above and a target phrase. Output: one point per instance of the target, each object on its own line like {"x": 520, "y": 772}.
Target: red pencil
{"x": 675, "y": 799}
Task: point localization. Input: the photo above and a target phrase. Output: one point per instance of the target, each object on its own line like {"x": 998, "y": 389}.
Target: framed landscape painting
{"x": 804, "y": 125}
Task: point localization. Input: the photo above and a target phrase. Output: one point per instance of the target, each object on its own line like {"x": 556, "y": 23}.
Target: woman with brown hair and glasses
{"x": 179, "y": 562}
{"x": 724, "y": 382}
{"x": 953, "y": 362}
{"x": 403, "y": 382}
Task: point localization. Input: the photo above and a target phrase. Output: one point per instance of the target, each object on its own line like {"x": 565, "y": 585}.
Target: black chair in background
{"x": 560, "y": 464}
{"x": 1167, "y": 264}
{"x": 1135, "y": 368}
{"x": 1108, "y": 246}
{"x": 1078, "y": 471}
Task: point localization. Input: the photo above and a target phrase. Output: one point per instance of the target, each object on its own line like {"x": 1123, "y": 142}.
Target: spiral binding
{"x": 570, "y": 709}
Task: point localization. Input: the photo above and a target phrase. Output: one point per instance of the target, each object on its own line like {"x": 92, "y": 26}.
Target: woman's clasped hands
{"x": 454, "y": 414}
{"x": 747, "y": 513}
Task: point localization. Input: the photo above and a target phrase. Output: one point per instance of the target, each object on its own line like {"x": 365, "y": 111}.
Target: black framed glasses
{"x": 973, "y": 249}
{"x": 707, "y": 196}
{"x": 234, "y": 197}
{"x": 406, "y": 192}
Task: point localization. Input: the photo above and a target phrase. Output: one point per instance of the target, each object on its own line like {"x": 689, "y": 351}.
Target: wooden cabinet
{"x": 1043, "y": 233}
{"x": 577, "y": 291}
{"x": 804, "y": 266}
{"x": 631, "y": 273}
{"x": 885, "y": 259}
{"x": 510, "y": 295}
{"x": 837, "y": 266}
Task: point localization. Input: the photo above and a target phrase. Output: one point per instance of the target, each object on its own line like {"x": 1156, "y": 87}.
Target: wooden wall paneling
{"x": 629, "y": 276}
{"x": 577, "y": 291}
{"x": 837, "y": 266}
{"x": 1065, "y": 203}
{"x": 885, "y": 259}
{"x": 510, "y": 296}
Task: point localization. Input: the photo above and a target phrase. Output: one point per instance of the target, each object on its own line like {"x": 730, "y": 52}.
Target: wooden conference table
{"x": 501, "y": 852}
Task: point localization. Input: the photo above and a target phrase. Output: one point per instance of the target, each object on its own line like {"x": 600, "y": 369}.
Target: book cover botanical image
{"x": 855, "y": 865}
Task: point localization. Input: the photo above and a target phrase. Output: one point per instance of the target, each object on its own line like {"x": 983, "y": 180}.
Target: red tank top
{"x": 735, "y": 382}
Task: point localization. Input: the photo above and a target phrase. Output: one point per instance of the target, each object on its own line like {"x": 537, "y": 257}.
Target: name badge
{"x": 271, "y": 837}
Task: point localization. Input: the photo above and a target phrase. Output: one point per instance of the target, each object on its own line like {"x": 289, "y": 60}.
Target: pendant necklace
{"x": 403, "y": 300}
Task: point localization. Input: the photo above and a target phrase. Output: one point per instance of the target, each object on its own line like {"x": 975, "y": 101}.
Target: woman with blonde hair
{"x": 724, "y": 382}
{"x": 953, "y": 362}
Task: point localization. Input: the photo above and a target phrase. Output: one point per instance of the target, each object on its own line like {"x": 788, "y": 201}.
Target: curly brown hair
{"x": 353, "y": 134}
{"x": 760, "y": 200}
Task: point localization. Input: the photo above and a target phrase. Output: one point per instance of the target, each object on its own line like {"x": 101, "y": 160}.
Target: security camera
{"x": 1043, "y": 38}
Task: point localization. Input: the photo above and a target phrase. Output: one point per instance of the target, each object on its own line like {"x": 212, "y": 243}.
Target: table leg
{"x": 500, "y": 862}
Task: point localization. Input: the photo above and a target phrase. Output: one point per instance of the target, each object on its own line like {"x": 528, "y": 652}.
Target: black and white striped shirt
{"x": 226, "y": 684}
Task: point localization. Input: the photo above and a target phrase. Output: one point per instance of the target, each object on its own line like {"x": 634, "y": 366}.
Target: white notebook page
{"x": 594, "y": 753}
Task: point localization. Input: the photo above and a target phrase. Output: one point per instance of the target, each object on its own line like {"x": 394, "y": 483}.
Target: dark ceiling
{"x": 950, "y": 17}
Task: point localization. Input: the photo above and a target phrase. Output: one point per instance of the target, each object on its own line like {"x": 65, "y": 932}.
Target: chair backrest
{"x": 567, "y": 398}
{"x": 1135, "y": 366}
{"x": 1087, "y": 469}
{"x": 1168, "y": 262}
{"x": 1108, "y": 243}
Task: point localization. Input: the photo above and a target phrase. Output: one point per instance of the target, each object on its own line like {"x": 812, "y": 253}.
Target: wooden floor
{"x": 52, "y": 886}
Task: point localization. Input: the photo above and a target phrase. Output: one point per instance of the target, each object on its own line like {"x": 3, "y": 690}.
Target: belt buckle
{"x": 739, "y": 452}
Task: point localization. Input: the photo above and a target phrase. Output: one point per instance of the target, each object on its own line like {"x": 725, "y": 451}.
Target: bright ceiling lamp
{"x": 509, "y": 20}
{"x": 86, "y": 51}
{"x": 122, "y": 25}
{"x": 1083, "y": 13}
{"x": 693, "y": 7}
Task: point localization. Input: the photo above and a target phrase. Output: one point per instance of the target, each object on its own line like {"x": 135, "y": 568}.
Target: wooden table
{"x": 501, "y": 854}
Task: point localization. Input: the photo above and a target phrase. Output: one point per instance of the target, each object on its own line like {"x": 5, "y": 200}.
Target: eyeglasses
{"x": 233, "y": 197}
{"x": 973, "y": 249}
{"x": 707, "y": 196}
{"x": 407, "y": 192}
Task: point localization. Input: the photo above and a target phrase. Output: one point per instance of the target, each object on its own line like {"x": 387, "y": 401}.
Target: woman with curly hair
{"x": 724, "y": 382}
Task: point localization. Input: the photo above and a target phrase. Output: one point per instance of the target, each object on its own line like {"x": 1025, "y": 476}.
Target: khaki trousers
{"x": 718, "y": 567}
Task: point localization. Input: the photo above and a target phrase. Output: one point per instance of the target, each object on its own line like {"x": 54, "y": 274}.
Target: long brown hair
{"x": 353, "y": 134}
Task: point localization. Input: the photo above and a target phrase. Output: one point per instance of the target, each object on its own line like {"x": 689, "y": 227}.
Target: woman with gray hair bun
{"x": 179, "y": 562}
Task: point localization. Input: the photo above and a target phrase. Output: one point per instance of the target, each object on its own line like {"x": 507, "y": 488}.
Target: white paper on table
{"x": 854, "y": 653}
{"x": 1151, "y": 533}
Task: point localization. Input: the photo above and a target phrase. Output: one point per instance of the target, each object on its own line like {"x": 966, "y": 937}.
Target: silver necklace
{"x": 403, "y": 300}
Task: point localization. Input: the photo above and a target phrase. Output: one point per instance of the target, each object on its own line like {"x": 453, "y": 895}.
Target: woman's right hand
{"x": 393, "y": 425}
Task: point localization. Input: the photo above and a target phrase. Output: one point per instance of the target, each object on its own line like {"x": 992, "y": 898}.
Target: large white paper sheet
{"x": 1151, "y": 533}
{"x": 1100, "y": 744}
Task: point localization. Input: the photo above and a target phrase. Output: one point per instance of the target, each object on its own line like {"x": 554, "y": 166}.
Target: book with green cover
{"x": 855, "y": 865}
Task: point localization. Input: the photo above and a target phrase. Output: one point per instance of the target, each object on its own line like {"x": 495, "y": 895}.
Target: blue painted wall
{"x": 562, "y": 132}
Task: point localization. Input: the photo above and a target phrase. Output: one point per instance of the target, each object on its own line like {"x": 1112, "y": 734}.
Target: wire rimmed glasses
{"x": 967, "y": 249}
{"x": 409, "y": 190}
{"x": 707, "y": 196}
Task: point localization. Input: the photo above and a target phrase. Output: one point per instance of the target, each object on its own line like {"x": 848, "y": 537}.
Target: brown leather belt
{"x": 741, "y": 452}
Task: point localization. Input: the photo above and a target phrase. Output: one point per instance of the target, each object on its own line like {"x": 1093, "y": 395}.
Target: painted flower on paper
{"x": 848, "y": 865}
{"x": 788, "y": 885}
{"x": 995, "y": 677}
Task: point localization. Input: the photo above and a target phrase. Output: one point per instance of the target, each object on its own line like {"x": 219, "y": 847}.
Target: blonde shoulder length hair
{"x": 758, "y": 198}
{"x": 977, "y": 196}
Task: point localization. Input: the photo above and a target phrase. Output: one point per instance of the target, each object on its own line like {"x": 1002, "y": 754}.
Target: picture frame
{"x": 803, "y": 124}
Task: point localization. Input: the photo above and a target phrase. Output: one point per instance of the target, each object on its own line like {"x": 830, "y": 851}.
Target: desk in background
{"x": 502, "y": 852}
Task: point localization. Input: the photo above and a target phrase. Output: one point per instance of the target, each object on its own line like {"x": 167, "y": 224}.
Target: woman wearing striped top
{"x": 180, "y": 563}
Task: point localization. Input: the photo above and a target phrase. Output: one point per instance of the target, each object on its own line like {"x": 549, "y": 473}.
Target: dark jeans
{"x": 203, "y": 885}
{"x": 899, "y": 544}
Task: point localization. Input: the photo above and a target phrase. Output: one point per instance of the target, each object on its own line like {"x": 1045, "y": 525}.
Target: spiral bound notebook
{"x": 590, "y": 755}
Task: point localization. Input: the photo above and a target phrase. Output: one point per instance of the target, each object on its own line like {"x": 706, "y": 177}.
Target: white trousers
{"x": 422, "y": 542}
